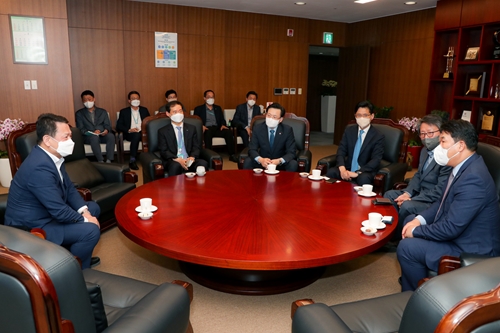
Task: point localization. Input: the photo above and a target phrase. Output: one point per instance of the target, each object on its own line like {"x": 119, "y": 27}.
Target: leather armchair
{"x": 420, "y": 311}
{"x": 3, "y": 207}
{"x": 152, "y": 165}
{"x": 105, "y": 183}
{"x": 36, "y": 295}
{"x": 393, "y": 165}
{"x": 301, "y": 131}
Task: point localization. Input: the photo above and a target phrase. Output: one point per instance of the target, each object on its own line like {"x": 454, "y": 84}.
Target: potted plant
{"x": 414, "y": 146}
{"x": 328, "y": 88}
{"x": 7, "y": 126}
{"x": 328, "y": 105}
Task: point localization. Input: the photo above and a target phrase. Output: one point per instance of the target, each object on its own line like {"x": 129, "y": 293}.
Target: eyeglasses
{"x": 428, "y": 134}
{"x": 268, "y": 115}
{"x": 174, "y": 111}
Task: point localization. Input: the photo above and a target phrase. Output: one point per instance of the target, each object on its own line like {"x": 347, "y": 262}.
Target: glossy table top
{"x": 238, "y": 219}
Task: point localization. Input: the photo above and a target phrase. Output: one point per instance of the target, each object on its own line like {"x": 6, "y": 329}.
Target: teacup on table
{"x": 200, "y": 171}
{"x": 374, "y": 219}
{"x": 316, "y": 173}
{"x": 146, "y": 204}
{"x": 367, "y": 189}
{"x": 271, "y": 167}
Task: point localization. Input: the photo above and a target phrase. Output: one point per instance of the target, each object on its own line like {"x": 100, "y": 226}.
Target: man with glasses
{"x": 178, "y": 143}
{"x": 360, "y": 150}
{"x": 426, "y": 186}
{"x": 272, "y": 143}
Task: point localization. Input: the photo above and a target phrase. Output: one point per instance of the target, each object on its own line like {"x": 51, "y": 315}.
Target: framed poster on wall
{"x": 29, "y": 45}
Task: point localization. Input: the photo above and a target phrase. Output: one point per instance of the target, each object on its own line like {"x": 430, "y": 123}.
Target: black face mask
{"x": 431, "y": 143}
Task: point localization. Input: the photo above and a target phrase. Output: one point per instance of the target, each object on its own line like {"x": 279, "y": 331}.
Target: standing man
{"x": 170, "y": 96}
{"x": 360, "y": 150}
{"x": 465, "y": 219}
{"x": 428, "y": 183}
{"x": 95, "y": 126}
{"x": 214, "y": 124}
{"x": 42, "y": 195}
{"x": 272, "y": 143}
{"x": 178, "y": 143}
{"x": 244, "y": 115}
{"x": 129, "y": 123}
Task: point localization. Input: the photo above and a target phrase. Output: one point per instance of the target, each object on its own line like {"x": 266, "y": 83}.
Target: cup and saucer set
{"x": 365, "y": 190}
{"x": 146, "y": 208}
{"x": 374, "y": 223}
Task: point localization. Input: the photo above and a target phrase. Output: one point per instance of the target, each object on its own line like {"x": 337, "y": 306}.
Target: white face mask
{"x": 363, "y": 122}
{"x": 65, "y": 148}
{"x": 210, "y": 101}
{"x": 135, "y": 102}
{"x": 177, "y": 118}
{"x": 441, "y": 155}
{"x": 171, "y": 99}
{"x": 89, "y": 105}
{"x": 251, "y": 102}
{"x": 272, "y": 123}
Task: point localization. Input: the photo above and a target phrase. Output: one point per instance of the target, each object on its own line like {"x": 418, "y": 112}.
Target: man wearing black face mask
{"x": 427, "y": 185}
{"x": 42, "y": 195}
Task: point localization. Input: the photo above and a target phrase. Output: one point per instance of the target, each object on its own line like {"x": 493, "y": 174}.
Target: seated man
{"x": 95, "y": 126}
{"x": 465, "y": 219}
{"x": 360, "y": 150}
{"x": 170, "y": 96}
{"x": 428, "y": 183}
{"x": 178, "y": 143}
{"x": 41, "y": 194}
{"x": 244, "y": 115}
{"x": 272, "y": 143}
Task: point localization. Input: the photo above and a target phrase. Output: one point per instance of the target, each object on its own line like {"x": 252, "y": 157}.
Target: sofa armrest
{"x": 326, "y": 163}
{"x": 467, "y": 259}
{"x": 152, "y": 167}
{"x": 241, "y": 158}
{"x": 304, "y": 158}
{"x": 317, "y": 318}
{"x": 392, "y": 173}
{"x": 213, "y": 159}
{"x": 85, "y": 193}
{"x": 112, "y": 172}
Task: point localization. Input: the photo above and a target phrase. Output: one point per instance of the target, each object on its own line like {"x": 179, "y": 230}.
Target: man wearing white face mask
{"x": 95, "y": 126}
{"x": 272, "y": 143}
{"x": 244, "y": 115}
{"x": 360, "y": 150}
{"x": 465, "y": 219}
{"x": 42, "y": 195}
{"x": 170, "y": 96}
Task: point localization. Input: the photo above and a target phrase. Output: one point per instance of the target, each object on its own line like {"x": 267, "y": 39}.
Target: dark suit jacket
{"x": 168, "y": 146}
{"x": 428, "y": 185}
{"x": 84, "y": 122}
{"x": 125, "y": 120}
{"x": 201, "y": 112}
{"x": 283, "y": 147}
{"x": 240, "y": 118}
{"x": 371, "y": 151}
{"x": 39, "y": 199}
{"x": 469, "y": 218}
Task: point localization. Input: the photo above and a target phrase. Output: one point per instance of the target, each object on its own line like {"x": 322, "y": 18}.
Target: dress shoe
{"x": 233, "y": 158}
{"x": 94, "y": 261}
{"x": 133, "y": 165}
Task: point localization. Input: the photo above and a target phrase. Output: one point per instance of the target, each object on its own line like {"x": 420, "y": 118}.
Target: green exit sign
{"x": 327, "y": 37}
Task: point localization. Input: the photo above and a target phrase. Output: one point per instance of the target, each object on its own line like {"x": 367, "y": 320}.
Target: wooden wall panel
{"x": 46, "y": 8}
{"x": 95, "y": 14}
{"x": 247, "y": 25}
{"x": 143, "y": 16}
{"x": 480, "y": 11}
{"x": 316, "y": 29}
{"x": 201, "y": 21}
{"x": 448, "y": 14}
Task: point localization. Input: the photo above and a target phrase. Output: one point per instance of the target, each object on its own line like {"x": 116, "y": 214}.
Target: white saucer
{"x": 203, "y": 174}
{"x": 367, "y": 195}
{"x": 367, "y": 224}
{"x": 269, "y": 172}
{"x": 311, "y": 177}
{"x": 153, "y": 209}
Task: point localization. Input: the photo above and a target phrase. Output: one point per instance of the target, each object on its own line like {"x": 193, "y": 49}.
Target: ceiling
{"x": 346, "y": 11}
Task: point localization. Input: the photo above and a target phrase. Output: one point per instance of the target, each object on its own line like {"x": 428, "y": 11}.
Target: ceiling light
{"x": 363, "y": 1}
{"x": 410, "y": 3}
{"x": 300, "y": 3}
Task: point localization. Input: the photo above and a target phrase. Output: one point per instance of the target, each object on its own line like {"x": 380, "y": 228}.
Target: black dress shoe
{"x": 94, "y": 261}
{"x": 133, "y": 166}
{"x": 233, "y": 158}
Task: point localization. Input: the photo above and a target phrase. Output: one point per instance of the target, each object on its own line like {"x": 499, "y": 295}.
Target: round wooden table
{"x": 241, "y": 232}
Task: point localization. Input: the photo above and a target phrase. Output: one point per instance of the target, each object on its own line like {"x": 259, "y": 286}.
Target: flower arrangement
{"x": 8, "y": 126}
{"x": 411, "y": 125}
{"x": 328, "y": 88}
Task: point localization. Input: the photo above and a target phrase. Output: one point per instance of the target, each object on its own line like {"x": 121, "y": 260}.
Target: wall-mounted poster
{"x": 166, "y": 50}
{"x": 28, "y": 40}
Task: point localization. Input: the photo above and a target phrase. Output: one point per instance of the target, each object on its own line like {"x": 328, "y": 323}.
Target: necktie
{"x": 181, "y": 152}
{"x": 429, "y": 159}
{"x": 355, "y": 154}
{"x": 271, "y": 138}
{"x": 450, "y": 180}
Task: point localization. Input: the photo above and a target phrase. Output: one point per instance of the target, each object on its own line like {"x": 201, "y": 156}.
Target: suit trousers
{"x": 174, "y": 168}
{"x": 134, "y": 138}
{"x": 361, "y": 179}
{"x": 244, "y": 136}
{"x": 95, "y": 143}
{"x": 215, "y": 132}
{"x": 291, "y": 165}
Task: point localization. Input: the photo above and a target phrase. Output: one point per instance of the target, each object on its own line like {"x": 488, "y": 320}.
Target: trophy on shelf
{"x": 448, "y": 74}
{"x": 496, "y": 41}
{"x": 487, "y": 124}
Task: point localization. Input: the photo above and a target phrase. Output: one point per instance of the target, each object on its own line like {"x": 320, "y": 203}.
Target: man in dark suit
{"x": 272, "y": 143}
{"x": 360, "y": 150}
{"x": 244, "y": 115}
{"x": 42, "y": 195}
{"x": 466, "y": 219}
{"x": 129, "y": 123}
{"x": 178, "y": 143}
{"x": 214, "y": 124}
{"x": 95, "y": 126}
{"x": 428, "y": 183}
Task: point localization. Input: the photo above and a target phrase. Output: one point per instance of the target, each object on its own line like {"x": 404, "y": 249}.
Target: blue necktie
{"x": 355, "y": 155}
{"x": 271, "y": 138}
{"x": 429, "y": 159}
{"x": 180, "y": 144}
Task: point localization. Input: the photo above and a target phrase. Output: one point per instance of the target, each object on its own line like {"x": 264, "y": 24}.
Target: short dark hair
{"x": 207, "y": 91}
{"x": 364, "y": 104}
{"x": 46, "y": 125}
{"x": 133, "y": 92}
{"x": 87, "y": 92}
{"x": 277, "y": 106}
{"x": 460, "y": 129}
{"x": 174, "y": 103}
{"x": 430, "y": 119}
{"x": 170, "y": 92}
{"x": 251, "y": 92}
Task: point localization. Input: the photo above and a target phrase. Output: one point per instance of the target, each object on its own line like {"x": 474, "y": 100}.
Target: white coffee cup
{"x": 200, "y": 171}
{"x": 271, "y": 167}
{"x": 374, "y": 219}
{"x": 316, "y": 173}
{"x": 367, "y": 189}
{"x": 146, "y": 204}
